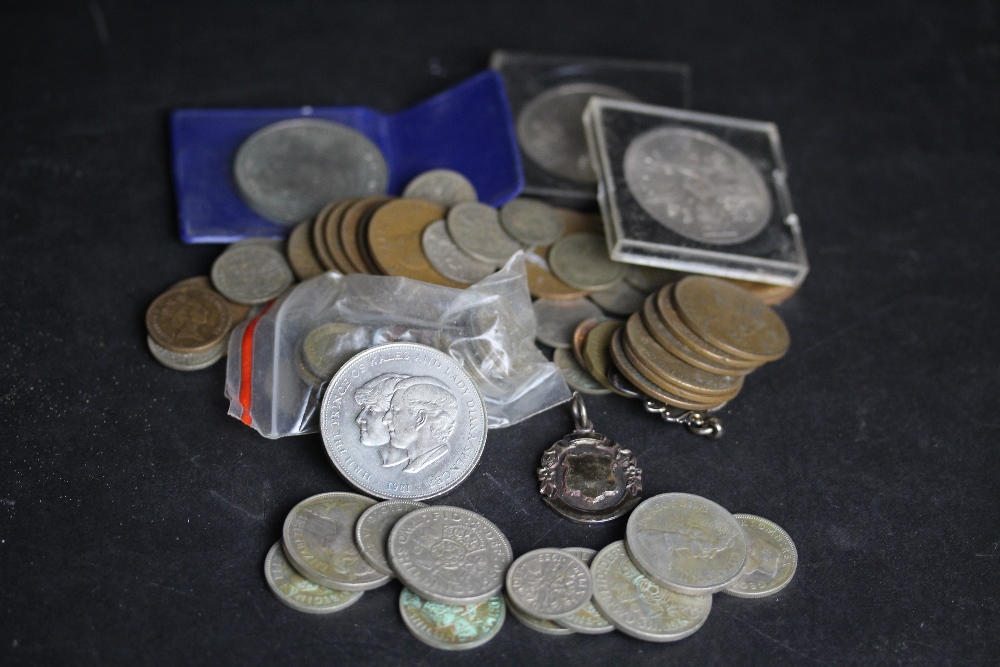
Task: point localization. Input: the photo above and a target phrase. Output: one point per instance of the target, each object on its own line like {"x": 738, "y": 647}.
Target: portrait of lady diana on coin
{"x": 403, "y": 421}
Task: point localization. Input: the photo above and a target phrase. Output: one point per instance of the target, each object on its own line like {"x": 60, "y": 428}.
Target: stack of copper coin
{"x": 690, "y": 346}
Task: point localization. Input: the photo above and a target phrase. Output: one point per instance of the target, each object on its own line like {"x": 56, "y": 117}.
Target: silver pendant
{"x": 587, "y": 477}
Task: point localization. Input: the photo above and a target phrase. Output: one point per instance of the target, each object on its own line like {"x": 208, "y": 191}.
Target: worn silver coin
{"x": 452, "y": 627}
{"x": 549, "y": 583}
{"x": 187, "y": 361}
{"x": 318, "y": 536}
{"x": 450, "y": 260}
{"x": 251, "y": 273}
{"x": 450, "y": 555}
{"x": 444, "y": 186}
{"x": 637, "y": 605}
{"x": 582, "y": 260}
{"x": 371, "y": 532}
{"x": 403, "y": 421}
{"x": 697, "y": 186}
{"x": 556, "y": 320}
{"x": 475, "y": 228}
{"x": 576, "y": 376}
{"x": 328, "y": 346}
{"x": 288, "y": 171}
{"x": 294, "y": 590}
{"x": 531, "y": 222}
{"x": 550, "y": 129}
{"x": 589, "y": 620}
{"x": 686, "y": 543}
{"x": 537, "y": 624}
{"x": 772, "y": 560}
{"x": 619, "y": 299}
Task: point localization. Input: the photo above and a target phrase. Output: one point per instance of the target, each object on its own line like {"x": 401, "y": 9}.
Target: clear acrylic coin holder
{"x": 527, "y": 76}
{"x": 776, "y": 254}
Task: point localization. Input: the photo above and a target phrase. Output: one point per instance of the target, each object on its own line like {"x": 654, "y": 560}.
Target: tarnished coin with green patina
{"x": 451, "y": 627}
{"x": 371, "y": 532}
{"x": 589, "y": 620}
{"x": 771, "y": 562}
{"x": 294, "y": 590}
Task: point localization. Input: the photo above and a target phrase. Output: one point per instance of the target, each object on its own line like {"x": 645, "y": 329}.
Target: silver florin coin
{"x": 403, "y": 421}
{"x": 772, "y": 560}
{"x": 452, "y": 627}
{"x": 450, "y": 260}
{"x": 550, "y": 129}
{"x": 318, "y": 536}
{"x": 556, "y": 320}
{"x": 576, "y": 376}
{"x": 444, "y": 186}
{"x": 251, "y": 273}
{"x": 638, "y": 606}
{"x": 686, "y": 543}
{"x": 697, "y": 186}
{"x": 537, "y": 624}
{"x": 475, "y": 228}
{"x": 371, "y": 532}
{"x": 187, "y": 361}
{"x": 582, "y": 260}
{"x": 531, "y": 222}
{"x": 589, "y": 620}
{"x": 294, "y": 590}
{"x": 288, "y": 171}
{"x": 549, "y": 583}
{"x": 449, "y": 555}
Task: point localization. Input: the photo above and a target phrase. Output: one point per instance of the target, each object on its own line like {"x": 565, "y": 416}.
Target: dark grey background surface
{"x": 135, "y": 515}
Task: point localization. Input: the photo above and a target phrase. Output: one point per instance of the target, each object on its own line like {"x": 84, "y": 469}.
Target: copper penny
{"x": 575, "y": 222}
{"x": 731, "y": 318}
{"x": 238, "y": 311}
{"x": 394, "y": 240}
{"x": 362, "y": 239}
{"x": 677, "y": 326}
{"x": 597, "y": 355}
{"x": 188, "y": 319}
{"x": 330, "y": 213}
{"x": 350, "y": 223}
{"x": 580, "y": 337}
{"x": 772, "y": 295}
{"x": 300, "y": 254}
{"x": 635, "y": 376}
{"x": 666, "y": 338}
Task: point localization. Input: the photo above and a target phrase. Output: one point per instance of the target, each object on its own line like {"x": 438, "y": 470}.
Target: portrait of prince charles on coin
{"x": 409, "y": 419}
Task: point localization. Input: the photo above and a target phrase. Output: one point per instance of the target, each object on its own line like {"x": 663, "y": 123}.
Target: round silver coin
{"x": 444, "y": 186}
{"x": 403, "y": 421}
{"x": 288, "y": 171}
{"x": 452, "y": 627}
{"x": 251, "y": 273}
{"x": 537, "y": 624}
{"x": 328, "y": 346}
{"x": 589, "y": 620}
{"x": 697, "y": 186}
{"x": 638, "y": 606}
{"x": 549, "y": 583}
{"x": 450, "y": 260}
{"x": 531, "y": 222}
{"x": 576, "y": 376}
{"x": 475, "y": 228}
{"x": 619, "y": 299}
{"x": 187, "y": 361}
{"x": 582, "y": 260}
{"x": 318, "y": 536}
{"x": 371, "y": 532}
{"x": 557, "y": 320}
{"x": 294, "y": 590}
{"x": 686, "y": 543}
{"x": 450, "y": 555}
{"x": 550, "y": 129}
{"x": 772, "y": 560}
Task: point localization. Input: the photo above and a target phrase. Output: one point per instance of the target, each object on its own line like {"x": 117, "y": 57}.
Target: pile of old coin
{"x": 657, "y": 585}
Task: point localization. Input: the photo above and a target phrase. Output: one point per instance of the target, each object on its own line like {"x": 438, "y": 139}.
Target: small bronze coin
{"x": 666, "y": 338}
{"x": 300, "y": 254}
{"x": 188, "y": 319}
{"x": 394, "y": 240}
{"x": 362, "y": 239}
{"x": 666, "y": 383}
{"x": 669, "y": 317}
{"x": 580, "y": 337}
{"x": 575, "y": 222}
{"x": 772, "y": 295}
{"x": 239, "y": 311}
{"x": 597, "y": 354}
{"x": 731, "y": 318}
{"x": 349, "y": 228}
{"x": 330, "y": 214}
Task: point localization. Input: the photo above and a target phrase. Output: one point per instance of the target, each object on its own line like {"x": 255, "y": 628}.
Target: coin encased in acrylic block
{"x": 694, "y": 192}
{"x": 587, "y": 477}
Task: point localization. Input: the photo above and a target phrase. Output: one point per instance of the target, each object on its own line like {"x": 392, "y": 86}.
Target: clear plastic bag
{"x": 279, "y": 362}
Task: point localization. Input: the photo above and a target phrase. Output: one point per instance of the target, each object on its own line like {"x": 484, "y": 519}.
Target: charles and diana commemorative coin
{"x": 403, "y": 421}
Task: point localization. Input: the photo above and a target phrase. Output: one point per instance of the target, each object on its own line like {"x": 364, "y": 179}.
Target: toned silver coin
{"x": 549, "y": 583}
{"x": 319, "y": 541}
{"x": 288, "y": 171}
{"x": 328, "y": 346}
{"x": 251, "y": 273}
{"x": 186, "y": 361}
{"x": 450, "y": 260}
{"x": 449, "y": 555}
{"x": 550, "y": 129}
{"x": 557, "y": 320}
{"x": 444, "y": 186}
{"x": 687, "y": 543}
{"x": 475, "y": 228}
{"x": 697, "y": 186}
{"x": 452, "y": 627}
{"x": 638, "y": 606}
{"x": 576, "y": 376}
{"x": 582, "y": 260}
{"x": 589, "y": 620}
{"x": 531, "y": 222}
{"x": 619, "y": 299}
{"x": 537, "y": 624}
{"x": 403, "y": 421}
{"x": 294, "y": 590}
{"x": 371, "y": 532}
{"x": 771, "y": 562}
